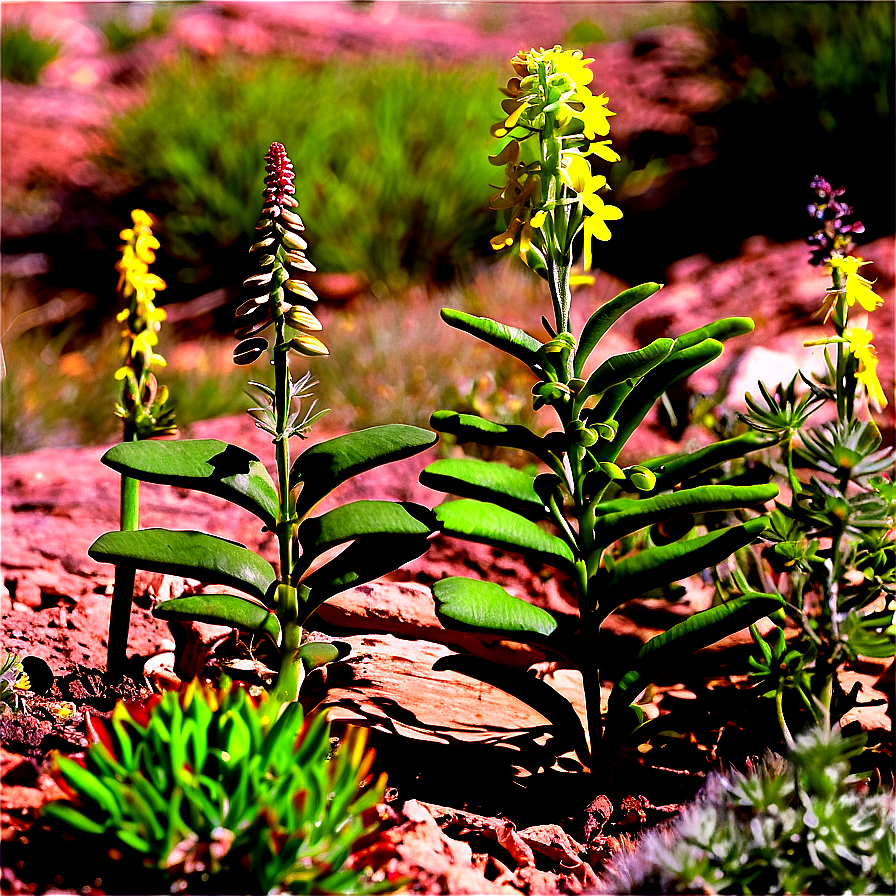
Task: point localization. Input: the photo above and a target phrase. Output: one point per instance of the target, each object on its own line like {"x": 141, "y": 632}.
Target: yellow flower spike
{"x": 538, "y": 219}
{"x": 126, "y": 234}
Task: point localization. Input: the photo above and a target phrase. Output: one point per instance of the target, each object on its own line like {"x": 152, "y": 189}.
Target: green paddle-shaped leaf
{"x": 512, "y": 340}
{"x": 490, "y": 524}
{"x": 469, "y": 477}
{"x": 671, "y": 562}
{"x": 326, "y": 465}
{"x": 470, "y": 428}
{"x": 661, "y": 653}
{"x": 606, "y": 316}
{"x": 365, "y": 559}
{"x": 356, "y": 520}
{"x": 197, "y": 555}
{"x": 642, "y": 398}
{"x": 223, "y": 609}
{"x": 627, "y": 366}
{"x": 206, "y": 465}
{"x": 675, "y": 469}
{"x": 475, "y": 605}
{"x": 611, "y": 526}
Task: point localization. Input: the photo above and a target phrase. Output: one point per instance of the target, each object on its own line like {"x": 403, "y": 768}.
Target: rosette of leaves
{"x": 212, "y": 789}
{"x": 799, "y": 825}
{"x": 575, "y": 515}
{"x": 376, "y": 536}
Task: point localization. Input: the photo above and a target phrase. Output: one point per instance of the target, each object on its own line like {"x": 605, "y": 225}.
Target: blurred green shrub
{"x": 391, "y": 158}
{"x": 132, "y": 22}
{"x": 835, "y": 50}
{"x": 22, "y": 56}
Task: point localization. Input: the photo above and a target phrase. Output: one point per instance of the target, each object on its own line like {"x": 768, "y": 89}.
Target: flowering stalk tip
{"x": 549, "y": 191}
{"x": 143, "y": 402}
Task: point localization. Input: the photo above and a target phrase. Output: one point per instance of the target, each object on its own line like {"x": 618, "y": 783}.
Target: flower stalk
{"x": 144, "y": 407}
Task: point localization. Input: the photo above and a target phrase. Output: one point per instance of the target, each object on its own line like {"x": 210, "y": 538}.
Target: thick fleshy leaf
{"x": 357, "y": 519}
{"x": 207, "y": 465}
{"x": 488, "y": 523}
{"x": 612, "y": 526}
{"x": 512, "y": 340}
{"x": 720, "y": 330}
{"x": 640, "y": 400}
{"x": 470, "y": 428}
{"x": 669, "y": 563}
{"x": 675, "y": 469}
{"x": 363, "y": 560}
{"x": 223, "y": 609}
{"x": 474, "y": 605}
{"x": 531, "y": 690}
{"x": 606, "y": 316}
{"x": 320, "y": 653}
{"x": 627, "y": 366}
{"x": 324, "y": 466}
{"x": 196, "y": 555}
{"x": 662, "y": 652}
{"x": 469, "y": 477}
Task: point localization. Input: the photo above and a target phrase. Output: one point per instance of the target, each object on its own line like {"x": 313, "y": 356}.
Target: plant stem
{"x": 123, "y": 589}
{"x": 779, "y": 710}
{"x": 289, "y": 677}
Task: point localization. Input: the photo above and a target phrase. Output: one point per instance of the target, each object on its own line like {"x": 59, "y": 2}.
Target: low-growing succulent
{"x": 210, "y": 788}
{"x": 800, "y": 825}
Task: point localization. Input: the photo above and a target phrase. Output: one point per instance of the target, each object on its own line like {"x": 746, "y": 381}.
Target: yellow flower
{"x": 595, "y": 226}
{"x": 860, "y": 345}
{"x": 594, "y": 116}
{"x": 571, "y": 64}
{"x": 856, "y": 288}
{"x": 140, "y": 218}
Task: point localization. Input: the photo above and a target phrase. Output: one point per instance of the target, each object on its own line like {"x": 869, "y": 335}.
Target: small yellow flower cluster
{"x": 138, "y": 287}
{"x": 850, "y": 288}
{"x": 143, "y": 404}
{"x": 549, "y": 99}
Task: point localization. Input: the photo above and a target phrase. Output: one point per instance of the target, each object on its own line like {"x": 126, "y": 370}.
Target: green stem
{"x": 779, "y": 710}
{"x": 591, "y": 685}
{"x": 291, "y": 673}
{"x": 123, "y": 589}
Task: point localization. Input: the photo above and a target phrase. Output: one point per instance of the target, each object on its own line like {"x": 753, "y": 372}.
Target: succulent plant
{"x": 212, "y": 789}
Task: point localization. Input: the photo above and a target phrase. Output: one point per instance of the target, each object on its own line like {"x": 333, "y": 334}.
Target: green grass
{"x": 392, "y": 173}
